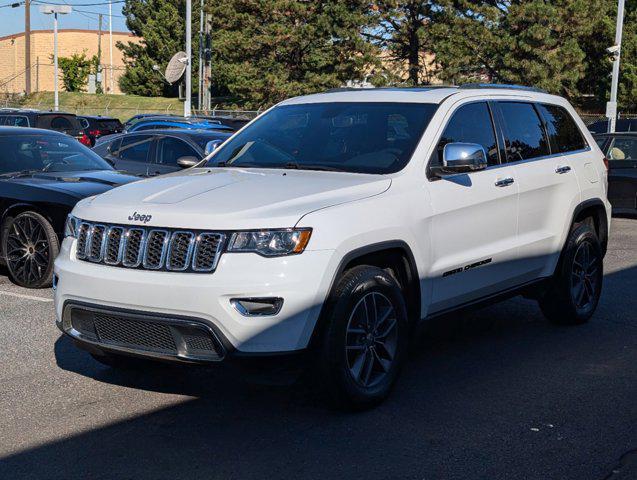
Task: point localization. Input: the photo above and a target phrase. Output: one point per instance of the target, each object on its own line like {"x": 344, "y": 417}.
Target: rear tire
{"x": 576, "y": 287}
{"x": 365, "y": 339}
{"x": 30, "y": 245}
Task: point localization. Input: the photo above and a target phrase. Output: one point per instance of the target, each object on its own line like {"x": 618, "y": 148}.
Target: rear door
{"x": 474, "y": 222}
{"x": 542, "y": 143}
{"x": 169, "y": 150}
{"x": 622, "y": 174}
{"x": 134, "y": 153}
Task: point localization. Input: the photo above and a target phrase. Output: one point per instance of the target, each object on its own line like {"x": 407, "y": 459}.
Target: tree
{"x": 75, "y": 71}
{"x": 530, "y": 42}
{"x": 161, "y": 26}
{"x": 268, "y": 50}
{"x": 401, "y": 34}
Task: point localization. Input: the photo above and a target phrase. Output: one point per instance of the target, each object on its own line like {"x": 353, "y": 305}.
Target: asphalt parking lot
{"x": 506, "y": 396}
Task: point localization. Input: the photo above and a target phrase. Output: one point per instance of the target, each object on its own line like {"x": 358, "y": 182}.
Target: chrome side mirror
{"x": 463, "y": 158}
{"x": 187, "y": 162}
{"x": 211, "y": 146}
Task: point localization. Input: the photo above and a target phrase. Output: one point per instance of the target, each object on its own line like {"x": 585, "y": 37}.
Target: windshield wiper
{"x": 23, "y": 173}
{"x": 301, "y": 166}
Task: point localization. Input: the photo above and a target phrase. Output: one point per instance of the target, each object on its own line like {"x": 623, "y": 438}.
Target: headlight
{"x": 271, "y": 243}
{"x": 70, "y": 226}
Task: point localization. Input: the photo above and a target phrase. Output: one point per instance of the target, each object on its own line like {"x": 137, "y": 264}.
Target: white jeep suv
{"x": 335, "y": 224}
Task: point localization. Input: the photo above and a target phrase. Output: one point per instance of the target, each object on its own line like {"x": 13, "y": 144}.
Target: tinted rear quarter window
{"x": 623, "y": 148}
{"x": 135, "y": 148}
{"x": 525, "y": 136}
{"x": 564, "y": 134}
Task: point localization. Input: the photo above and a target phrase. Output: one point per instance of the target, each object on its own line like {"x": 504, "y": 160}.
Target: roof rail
{"x": 504, "y": 86}
{"x": 422, "y": 88}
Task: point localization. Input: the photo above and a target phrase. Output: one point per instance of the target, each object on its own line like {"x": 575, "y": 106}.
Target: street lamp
{"x": 615, "y": 50}
{"x": 55, "y": 10}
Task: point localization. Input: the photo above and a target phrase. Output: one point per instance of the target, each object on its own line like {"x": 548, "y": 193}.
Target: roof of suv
{"x": 433, "y": 94}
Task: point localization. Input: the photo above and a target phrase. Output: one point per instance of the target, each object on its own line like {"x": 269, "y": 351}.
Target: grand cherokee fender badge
{"x": 136, "y": 217}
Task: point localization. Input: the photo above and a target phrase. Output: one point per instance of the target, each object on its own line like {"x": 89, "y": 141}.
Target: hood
{"x": 79, "y": 184}
{"x": 229, "y": 198}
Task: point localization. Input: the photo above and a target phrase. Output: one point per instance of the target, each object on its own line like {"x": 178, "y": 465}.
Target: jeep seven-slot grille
{"x": 149, "y": 248}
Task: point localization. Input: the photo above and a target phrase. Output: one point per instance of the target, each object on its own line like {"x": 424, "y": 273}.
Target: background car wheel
{"x": 365, "y": 339}
{"x": 30, "y": 246}
{"x": 575, "y": 289}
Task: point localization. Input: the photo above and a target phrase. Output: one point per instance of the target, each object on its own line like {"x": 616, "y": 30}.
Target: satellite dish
{"x": 176, "y": 67}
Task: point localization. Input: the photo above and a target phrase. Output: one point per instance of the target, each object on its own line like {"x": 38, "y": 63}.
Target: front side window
{"x": 562, "y": 129}
{"x": 623, "y": 149}
{"x": 172, "y": 149}
{"x": 471, "y": 124}
{"x": 525, "y": 136}
{"x": 135, "y": 148}
{"x": 47, "y": 153}
{"x": 358, "y": 137}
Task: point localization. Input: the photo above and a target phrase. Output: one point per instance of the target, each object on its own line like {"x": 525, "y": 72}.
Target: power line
{"x": 97, "y": 13}
{"x": 79, "y": 4}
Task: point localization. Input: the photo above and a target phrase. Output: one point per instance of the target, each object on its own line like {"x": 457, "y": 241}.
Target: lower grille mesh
{"x": 136, "y": 334}
{"x": 168, "y": 337}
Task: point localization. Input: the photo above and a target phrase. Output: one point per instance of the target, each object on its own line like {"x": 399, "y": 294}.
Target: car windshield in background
{"x": 46, "y": 153}
{"x": 349, "y": 137}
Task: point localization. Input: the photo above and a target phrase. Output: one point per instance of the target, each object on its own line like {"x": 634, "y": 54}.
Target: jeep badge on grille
{"x": 136, "y": 217}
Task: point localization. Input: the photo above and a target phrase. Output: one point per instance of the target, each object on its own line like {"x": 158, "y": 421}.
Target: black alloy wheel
{"x": 30, "y": 246}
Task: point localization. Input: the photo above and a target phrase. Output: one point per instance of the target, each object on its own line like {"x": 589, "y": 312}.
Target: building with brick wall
{"x": 70, "y": 41}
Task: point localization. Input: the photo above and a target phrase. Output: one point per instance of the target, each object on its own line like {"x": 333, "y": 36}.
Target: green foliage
{"x": 75, "y": 71}
{"x": 401, "y": 32}
{"x": 268, "y": 50}
{"x": 161, "y": 25}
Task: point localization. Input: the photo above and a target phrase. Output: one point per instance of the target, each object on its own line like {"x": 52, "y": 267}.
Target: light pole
{"x": 110, "y": 46}
{"x": 611, "y": 107}
{"x": 187, "y": 106}
{"x": 55, "y": 10}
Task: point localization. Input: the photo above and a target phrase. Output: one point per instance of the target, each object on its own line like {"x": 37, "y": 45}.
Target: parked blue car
{"x": 163, "y": 123}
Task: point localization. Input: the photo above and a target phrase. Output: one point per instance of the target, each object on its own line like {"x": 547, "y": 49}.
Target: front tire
{"x": 30, "y": 246}
{"x": 365, "y": 338}
{"x": 576, "y": 287}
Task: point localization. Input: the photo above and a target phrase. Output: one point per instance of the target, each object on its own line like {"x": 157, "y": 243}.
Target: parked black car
{"x": 621, "y": 125}
{"x": 59, "y": 121}
{"x": 621, "y": 151}
{"x": 156, "y": 152}
{"x": 96, "y": 127}
{"x": 43, "y": 174}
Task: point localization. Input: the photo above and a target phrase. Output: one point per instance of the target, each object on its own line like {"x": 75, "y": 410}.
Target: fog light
{"x": 257, "y": 307}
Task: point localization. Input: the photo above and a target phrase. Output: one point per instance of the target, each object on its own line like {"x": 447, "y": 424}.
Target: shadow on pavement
{"x": 506, "y": 396}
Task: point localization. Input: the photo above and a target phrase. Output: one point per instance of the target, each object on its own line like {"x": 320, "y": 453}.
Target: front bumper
{"x": 303, "y": 281}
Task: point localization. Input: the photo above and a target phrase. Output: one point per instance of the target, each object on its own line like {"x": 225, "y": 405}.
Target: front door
{"x": 473, "y": 228}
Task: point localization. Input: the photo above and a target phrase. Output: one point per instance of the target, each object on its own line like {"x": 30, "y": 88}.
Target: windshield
{"x": 349, "y": 137}
{"x": 46, "y": 153}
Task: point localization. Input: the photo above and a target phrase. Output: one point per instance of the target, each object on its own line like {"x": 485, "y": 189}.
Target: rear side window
{"x": 471, "y": 124}
{"x": 525, "y": 136}
{"x": 135, "y": 148}
{"x": 562, "y": 129}
{"x": 623, "y": 149}
{"x": 17, "y": 121}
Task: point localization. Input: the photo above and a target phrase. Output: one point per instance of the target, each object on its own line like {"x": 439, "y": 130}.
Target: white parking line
{"x": 27, "y": 297}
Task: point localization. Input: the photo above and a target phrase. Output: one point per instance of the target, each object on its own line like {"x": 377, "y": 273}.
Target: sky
{"x": 83, "y": 16}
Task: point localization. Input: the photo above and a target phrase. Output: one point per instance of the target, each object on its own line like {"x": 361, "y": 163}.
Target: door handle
{"x": 563, "y": 169}
{"x": 504, "y": 182}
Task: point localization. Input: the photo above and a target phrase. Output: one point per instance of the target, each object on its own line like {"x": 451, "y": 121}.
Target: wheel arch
{"x": 20, "y": 207}
{"x": 393, "y": 255}
{"x": 595, "y": 209}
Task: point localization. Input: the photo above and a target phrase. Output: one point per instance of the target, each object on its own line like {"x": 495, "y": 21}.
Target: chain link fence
{"x": 124, "y": 113}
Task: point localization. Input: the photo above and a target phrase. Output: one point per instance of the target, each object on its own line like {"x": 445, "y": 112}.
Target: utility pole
{"x": 110, "y": 46}
{"x": 187, "y": 103}
{"x": 611, "y": 107}
{"x": 201, "y": 46}
{"x": 27, "y": 46}
{"x": 62, "y": 10}
{"x": 98, "y": 74}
